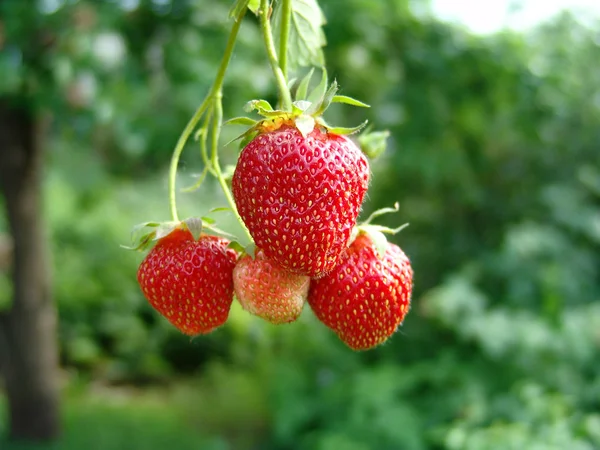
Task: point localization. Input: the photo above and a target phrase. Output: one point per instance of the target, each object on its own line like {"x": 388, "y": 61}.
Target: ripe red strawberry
{"x": 365, "y": 298}
{"x": 189, "y": 282}
{"x": 300, "y": 196}
{"x": 265, "y": 289}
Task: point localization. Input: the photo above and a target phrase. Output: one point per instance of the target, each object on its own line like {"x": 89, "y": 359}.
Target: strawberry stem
{"x": 209, "y": 101}
{"x": 286, "y": 16}
{"x": 285, "y": 98}
{"x": 189, "y": 128}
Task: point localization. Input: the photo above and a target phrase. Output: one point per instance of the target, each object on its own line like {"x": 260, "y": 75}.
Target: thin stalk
{"x": 189, "y": 128}
{"x": 215, "y": 133}
{"x": 286, "y": 17}
{"x": 191, "y": 125}
{"x": 285, "y": 97}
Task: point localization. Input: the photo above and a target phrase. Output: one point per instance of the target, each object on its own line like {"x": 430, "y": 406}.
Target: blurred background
{"x": 494, "y": 115}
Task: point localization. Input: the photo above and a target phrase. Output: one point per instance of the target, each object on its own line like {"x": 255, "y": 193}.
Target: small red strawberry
{"x": 365, "y": 298}
{"x": 188, "y": 281}
{"x": 300, "y": 195}
{"x": 266, "y": 290}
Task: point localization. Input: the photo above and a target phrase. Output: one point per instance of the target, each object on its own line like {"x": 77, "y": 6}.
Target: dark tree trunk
{"x": 28, "y": 340}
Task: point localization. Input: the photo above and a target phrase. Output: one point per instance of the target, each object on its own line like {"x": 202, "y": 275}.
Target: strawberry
{"x": 265, "y": 289}
{"x": 300, "y": 196}
{"x": 365, "y": 298}
{"x": 188, "y": 281}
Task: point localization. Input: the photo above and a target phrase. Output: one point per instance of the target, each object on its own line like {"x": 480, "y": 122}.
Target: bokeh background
{"x": 493, "y": 156}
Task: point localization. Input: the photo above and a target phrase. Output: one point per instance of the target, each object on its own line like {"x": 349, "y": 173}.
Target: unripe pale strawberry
{"x": 266, "y": 290}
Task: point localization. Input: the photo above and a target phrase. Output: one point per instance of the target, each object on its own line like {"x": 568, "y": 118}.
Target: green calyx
{"x": 377, "y": 232}
{"x": 146, "y": 234}
{"x": 306, "y": 112}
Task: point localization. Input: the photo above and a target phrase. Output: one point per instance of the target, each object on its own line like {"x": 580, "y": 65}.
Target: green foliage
{"x": 306, "y": 37}
{"x": 120, "y": 420}
{"x": 492, "y": 155}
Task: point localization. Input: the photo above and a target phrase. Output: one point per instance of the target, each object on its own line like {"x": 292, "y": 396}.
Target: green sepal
{"x": 319, "y": 108}
{"x": 376, "y": 234}
{"x": 217, "y": 230}
{"x": 291, "y": 82}
{"x": 302, "y": 91}
{"x": 261, "y": 106}
{"x": 195, "y": 225}
{"x": 299, "y": 106}
{"x": 373, "y": 143}
{"x": 318, "y": 92}
{"x": 305, "y": 124}
{"x": 379, "y": 240}
{"x": 246, "y": 121}
{"x": 250, "y": 250}
{"x": 221, "y": 209}
{"x": 349, "y": 101}
{"x": 342, "y": 130}
{"x": 144, "y": 234}
{"x": 246, "y": 137}
{"x": 239, "y": 248}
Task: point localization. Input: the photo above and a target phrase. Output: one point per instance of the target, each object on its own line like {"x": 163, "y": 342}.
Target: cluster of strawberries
{"x": 298, "y": 187}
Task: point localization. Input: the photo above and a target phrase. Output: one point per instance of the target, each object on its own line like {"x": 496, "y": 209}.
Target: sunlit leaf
{"x": 306, "y": 38}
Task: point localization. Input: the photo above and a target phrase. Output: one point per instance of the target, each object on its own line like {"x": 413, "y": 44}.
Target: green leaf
{"x": 349, "y": 101}
{"x": 302, "y": 90}
{"x": 246, "y": 121}
{"x": 239, "y": 6}
{"x": 306, "y": 38}
{"x": 253, "y": 5}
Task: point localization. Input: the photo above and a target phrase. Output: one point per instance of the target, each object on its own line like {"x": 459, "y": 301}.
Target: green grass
{"x": 124, "y": 422}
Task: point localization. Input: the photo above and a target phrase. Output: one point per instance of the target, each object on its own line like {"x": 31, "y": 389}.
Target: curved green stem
{"x": 286, "y": 16}
{"x": 215, "y": 133}
{"x": 189, "y": 128}
{"x": 265, "y": 25}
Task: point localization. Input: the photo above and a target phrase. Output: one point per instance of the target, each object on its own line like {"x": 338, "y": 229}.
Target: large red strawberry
{"x": 300, "y": 196}
{"x": 365, "y": 298}
{"x": 265, "y": 289}
{"x": 188, "y": 281}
